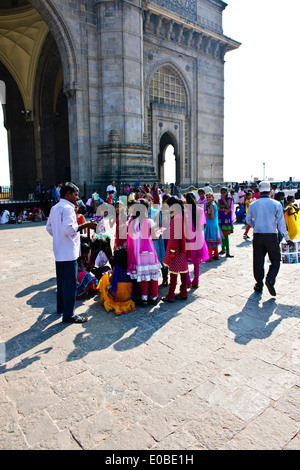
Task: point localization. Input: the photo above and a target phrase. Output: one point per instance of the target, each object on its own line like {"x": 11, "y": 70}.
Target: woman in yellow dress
{"x": 116, "y": 288}
{"x": 292, "y": 218}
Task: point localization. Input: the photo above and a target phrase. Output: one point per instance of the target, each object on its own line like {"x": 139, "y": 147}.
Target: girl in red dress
{"x": 176, "y": 254}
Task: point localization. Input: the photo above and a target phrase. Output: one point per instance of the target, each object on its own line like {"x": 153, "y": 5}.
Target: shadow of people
{"x": 39, "y": 332}
{"x": 44, "y": 298}
{"x": 103, "y": 329}
{"x": 42, "y": 286}
{"x": 123, "y": 332}
{"x": 258, "y": 320}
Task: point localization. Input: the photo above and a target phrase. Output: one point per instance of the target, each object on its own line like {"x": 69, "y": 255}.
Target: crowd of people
{"x": 246, "y": 195}
{"x": 26, "y": 214}
{"x": 156, "y": 235}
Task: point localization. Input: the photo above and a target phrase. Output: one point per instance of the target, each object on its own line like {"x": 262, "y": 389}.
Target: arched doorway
{"x": 168, "y": 161}
{"x": 36, "y": 109}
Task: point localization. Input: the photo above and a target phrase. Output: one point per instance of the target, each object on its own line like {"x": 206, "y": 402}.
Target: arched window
{"x": 167, "y": 87}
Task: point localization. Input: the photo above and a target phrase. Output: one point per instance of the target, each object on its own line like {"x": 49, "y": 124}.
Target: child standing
{"x": 226, "y": 218}
{"x": 143, "y": 264}
{"x": 120, "y": 218}
{"x": 202, "y": 201}
{"x": 176, "y": 253}
{"x": 198, "y": 252}
{"x": 159, "y": 243}
{"x": 292, "y": 218}
{"x": 212, "y": 232}
{"x": 248, "y": 200}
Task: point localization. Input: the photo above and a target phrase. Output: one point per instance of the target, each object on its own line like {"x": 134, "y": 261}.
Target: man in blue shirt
{"x": 266, "y": 217}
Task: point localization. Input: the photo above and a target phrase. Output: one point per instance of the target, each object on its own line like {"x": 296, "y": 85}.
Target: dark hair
{"x": 190, "y": 199}
{"x": 165, "y": 197}
{"x": 120, "y": 257}
{"x": 142, "y": 202}
{"x": 68, "y": 187}
{"x": 85, "y": 248}
{"x": 174, "y": 200}
{"x": 277, "y": 195}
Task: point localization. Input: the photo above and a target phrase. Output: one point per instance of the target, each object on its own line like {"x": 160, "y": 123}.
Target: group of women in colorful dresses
{"x": 150, "y": 243}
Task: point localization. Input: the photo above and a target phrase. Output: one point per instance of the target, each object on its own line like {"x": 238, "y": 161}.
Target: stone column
{"x": 120, "y": 43}
{"x": 120, "y": 57}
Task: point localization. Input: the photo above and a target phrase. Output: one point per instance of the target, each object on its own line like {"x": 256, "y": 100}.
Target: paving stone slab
{"x": 219, "y": 371}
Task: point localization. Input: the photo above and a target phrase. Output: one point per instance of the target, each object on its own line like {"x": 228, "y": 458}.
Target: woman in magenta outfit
{"x": 198, "y": 251}
{"x": 142, "y": 261}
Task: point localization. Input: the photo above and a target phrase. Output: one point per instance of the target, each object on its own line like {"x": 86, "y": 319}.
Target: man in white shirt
{"x": 207, "y": 188}
{"x": 265, "y": 215}
{"x": 111, "y": 187}
{"x": 63, "y": 227}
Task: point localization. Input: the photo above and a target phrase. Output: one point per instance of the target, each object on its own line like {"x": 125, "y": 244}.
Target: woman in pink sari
{"x": 142, "y": 261}
{"x": 197, "y": 247}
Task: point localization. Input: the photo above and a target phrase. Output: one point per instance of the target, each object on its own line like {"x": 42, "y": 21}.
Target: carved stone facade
{"x": 131, "y": 77}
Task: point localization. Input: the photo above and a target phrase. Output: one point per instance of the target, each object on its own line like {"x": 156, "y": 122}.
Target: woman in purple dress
{"x": 226, "y": 219}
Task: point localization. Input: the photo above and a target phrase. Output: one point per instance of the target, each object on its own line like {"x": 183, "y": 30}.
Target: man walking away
{"x": 63, "y": 227}
{"x": 266, "y": 217}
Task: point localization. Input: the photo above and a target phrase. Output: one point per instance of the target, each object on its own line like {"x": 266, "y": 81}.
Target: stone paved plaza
{"x": 218, "y": 371}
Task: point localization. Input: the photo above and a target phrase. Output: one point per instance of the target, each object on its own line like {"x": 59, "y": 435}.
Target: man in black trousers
{"x": 266, "y": 217}
{"x": 62, "y": 226}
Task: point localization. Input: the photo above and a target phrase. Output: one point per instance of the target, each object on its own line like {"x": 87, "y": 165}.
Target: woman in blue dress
{"x": 212, "y": 232}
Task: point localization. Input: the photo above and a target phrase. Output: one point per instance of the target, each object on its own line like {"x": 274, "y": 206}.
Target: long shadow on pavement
{"x": 255, "y": 320}
{"x": 103, "y": 329}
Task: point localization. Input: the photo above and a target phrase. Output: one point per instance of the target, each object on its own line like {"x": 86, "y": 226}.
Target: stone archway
{"x": 37, "y": 68}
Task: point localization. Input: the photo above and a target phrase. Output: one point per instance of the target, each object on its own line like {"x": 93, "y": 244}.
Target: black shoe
{"x": 258, "y": 288}
{"x": 75, "y": 319}
{"x": 271, "y": 288}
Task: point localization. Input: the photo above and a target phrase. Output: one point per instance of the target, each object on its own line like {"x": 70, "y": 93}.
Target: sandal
{"x": 167, "y": 299}
{"x": 180, "y": 297}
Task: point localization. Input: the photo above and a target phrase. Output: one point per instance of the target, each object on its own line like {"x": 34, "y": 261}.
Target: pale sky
{"x": 262, "y": 92}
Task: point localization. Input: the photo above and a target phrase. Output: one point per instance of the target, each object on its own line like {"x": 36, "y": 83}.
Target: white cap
{"x": 264, "y": 187}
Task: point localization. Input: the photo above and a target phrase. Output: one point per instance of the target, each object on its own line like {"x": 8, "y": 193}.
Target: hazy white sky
{"x": 262, "y": 92}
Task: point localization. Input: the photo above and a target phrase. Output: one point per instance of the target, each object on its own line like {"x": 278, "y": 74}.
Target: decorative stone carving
{"x": 185, "y": 8}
